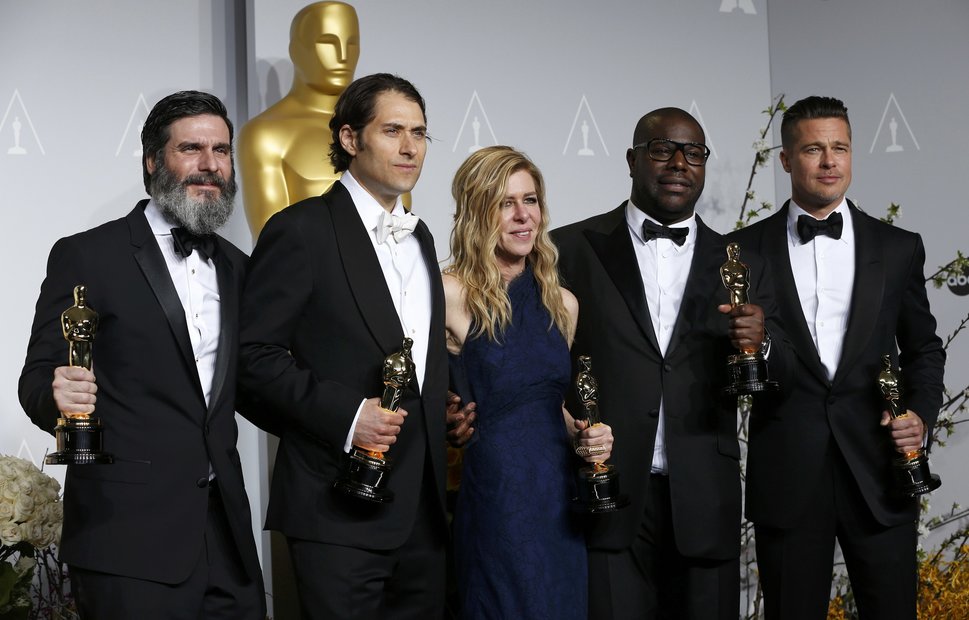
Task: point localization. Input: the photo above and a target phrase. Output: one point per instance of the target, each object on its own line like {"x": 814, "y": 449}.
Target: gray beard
{"x": 198, "y": 216}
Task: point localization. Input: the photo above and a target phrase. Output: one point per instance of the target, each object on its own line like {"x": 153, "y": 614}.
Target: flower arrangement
{"x": 32, "y": 581}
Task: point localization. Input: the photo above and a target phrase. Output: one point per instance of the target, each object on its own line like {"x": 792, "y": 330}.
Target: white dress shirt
{"x": 824, "y": 272}
{"x": 664, "y": 268}
{"x": 406, "y": 276}
{"x": 198, "y": 289}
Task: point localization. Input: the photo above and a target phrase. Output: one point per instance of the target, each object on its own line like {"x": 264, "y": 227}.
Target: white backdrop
{"x": 78, "y": 79}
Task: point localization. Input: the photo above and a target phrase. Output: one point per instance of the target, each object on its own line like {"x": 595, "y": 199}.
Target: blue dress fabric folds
{"x": 519, "y": 551}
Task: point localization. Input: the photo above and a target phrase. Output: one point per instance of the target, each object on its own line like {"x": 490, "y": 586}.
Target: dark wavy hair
{"x": 357, "y": 107}
{"x": 155, "y": 133}
{"x": 810, "y": 108}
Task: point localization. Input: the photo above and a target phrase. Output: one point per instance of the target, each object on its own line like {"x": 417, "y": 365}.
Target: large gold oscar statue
{"x": 284, "y": 152}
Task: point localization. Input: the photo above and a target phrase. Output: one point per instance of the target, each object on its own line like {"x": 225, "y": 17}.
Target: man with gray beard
{"x": 164, "y": 531}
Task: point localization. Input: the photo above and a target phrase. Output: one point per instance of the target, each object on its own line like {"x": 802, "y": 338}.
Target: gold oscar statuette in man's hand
{"x": 367, "y": 471}
{"x": 746, "y": 371}
{"x": 911, "y": 470}
{"x": 79, "y": 436}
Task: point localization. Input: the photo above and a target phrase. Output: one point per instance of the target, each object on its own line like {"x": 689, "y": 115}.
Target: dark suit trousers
{"x": 217, "y": 588}
{"x": 335, "y": 581}
{"x": 795, "y": 564}
{"x": 652, "y": 579}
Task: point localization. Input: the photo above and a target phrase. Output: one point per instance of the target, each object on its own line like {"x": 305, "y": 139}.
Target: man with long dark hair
{"x": 336, "y": 283}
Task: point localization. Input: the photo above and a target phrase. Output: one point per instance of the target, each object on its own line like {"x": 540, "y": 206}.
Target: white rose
{"x": 12, "y": 489}
{"x": 32, "y": 532}
{"x": 7, "y": 470}
{"x": 9, "y": 534}
{"x": 6, "y": 510}
{"x": 23, "y": 508}
{"x": 56, "y": 513}
{"x": 51, "y": 534}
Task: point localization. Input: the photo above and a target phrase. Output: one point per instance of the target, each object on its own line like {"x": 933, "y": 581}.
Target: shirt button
{"x": 193, "y": 272}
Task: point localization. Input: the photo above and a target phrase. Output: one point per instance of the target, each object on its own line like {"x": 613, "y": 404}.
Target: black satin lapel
{"x": 229, "y": 328}
{"x": 866, "y": 293}
{"x": 435, "y": 339}
{"x": 615, "y": 252}
{"x": 153, "y": 266}
{"x": 365, "y": 277}
{"x": 708, "y": 255}
{"x": 788, "y": 301}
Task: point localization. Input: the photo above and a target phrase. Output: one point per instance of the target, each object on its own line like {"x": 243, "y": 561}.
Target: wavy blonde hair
{"x": 479, "y": 188}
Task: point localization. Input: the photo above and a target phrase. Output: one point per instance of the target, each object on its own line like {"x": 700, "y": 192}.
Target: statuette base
{"x": 598, "y": 491}
{"x": 747, "y": 374}
{"x": 80, "y": 441}
{"x": 912, "y": 476}
{"x": 365, "y": 478}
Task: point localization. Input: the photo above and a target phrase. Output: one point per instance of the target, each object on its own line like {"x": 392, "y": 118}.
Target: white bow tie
{"x": 397, "y": 225}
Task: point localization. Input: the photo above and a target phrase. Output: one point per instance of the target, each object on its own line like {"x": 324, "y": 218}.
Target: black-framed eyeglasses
{"x": 660, "y": 149}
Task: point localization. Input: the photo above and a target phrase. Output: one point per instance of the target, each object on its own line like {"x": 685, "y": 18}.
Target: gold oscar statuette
{"x": 79, "y": 435}
{"x": 747, "y": 371}
{"x": 283, "y": 152}
{"x": 367, "y": 472}
{"x": 597, "y": 487}
{"x": 910, "y": 470}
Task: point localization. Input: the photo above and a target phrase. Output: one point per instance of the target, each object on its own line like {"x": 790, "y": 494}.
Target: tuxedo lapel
{"x": 615, "y": 252}
{"x": 363, "y": 272}
{"x": 708, "y": 255}
{"x": 228, "y": 330}
{"x": 152, "y": 264}
{"x": 867, "y": 291}
{"x": 788, "y": 300}
{"x": 435, "y": 339}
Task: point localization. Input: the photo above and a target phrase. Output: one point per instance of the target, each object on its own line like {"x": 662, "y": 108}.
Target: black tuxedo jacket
{"x": 598, "y": 264}
{"x": 144, "y": 515}
{"x": 317, "y": 323}
{"x": 889, "y": 315}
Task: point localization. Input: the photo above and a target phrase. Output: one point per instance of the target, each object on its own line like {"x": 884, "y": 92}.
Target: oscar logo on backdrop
{"x": 283, "y": 151}
{"x": 16, "y": 149}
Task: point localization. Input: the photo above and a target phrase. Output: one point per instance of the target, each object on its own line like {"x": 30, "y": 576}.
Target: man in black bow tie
{"x": 165, "y": 531}
{"x": 656, "y": 319}
{"x": 850, "y": 289}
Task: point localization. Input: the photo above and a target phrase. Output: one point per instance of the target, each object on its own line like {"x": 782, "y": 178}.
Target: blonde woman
{"x": 518, "y": 550}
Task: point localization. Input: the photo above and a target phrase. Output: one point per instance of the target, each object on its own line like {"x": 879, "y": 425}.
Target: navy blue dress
{"x": 518, "y": 550}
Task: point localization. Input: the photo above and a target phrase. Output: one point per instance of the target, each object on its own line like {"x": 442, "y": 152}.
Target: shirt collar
{"x": 367, "y": 206}
{"x": 160, "y": 227}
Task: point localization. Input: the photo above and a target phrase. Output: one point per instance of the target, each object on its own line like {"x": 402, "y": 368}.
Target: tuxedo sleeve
{"x": 780, "y": 358}
{"x": 47, "y": 349}
{"x": 921, "y": 354}
{"x": 276, "y": 298}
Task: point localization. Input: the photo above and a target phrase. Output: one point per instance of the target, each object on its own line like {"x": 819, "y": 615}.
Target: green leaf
{"x": 8, "y": 578}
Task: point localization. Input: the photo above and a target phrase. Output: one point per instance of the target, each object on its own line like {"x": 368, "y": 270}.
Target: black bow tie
{"x": 653, "y": 231}
{"x": 186, "y": 241}
{"x": 808, "y": 228}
